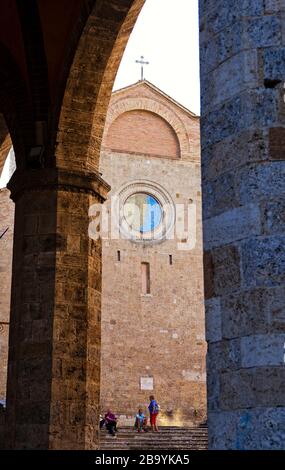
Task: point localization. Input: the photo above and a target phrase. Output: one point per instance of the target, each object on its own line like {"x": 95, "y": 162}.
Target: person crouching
{"x": 141, "y": 421}
{"x": 111, "y": 423}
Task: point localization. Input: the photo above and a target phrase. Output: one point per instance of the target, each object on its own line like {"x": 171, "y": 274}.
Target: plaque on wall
{"x": 146, "y": 383}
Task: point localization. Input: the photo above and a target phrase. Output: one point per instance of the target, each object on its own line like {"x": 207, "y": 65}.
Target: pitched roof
{"x": 160, "y": 92}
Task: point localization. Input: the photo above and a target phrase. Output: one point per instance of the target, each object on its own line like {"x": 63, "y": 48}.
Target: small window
{"x": 170, "y": 260}
{"x": 118, "y": 255}
{"x": 145, "y": 271}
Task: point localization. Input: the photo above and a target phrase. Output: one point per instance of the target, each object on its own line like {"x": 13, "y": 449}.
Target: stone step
{"x": 161, "y": 442}
{"x": 169, "y": 438}
{"x": 161, "y": 432}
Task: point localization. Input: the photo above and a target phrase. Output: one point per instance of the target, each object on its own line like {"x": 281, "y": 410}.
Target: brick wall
{"x": 143, "y": 96}
{"x": 160, "y": 335}
{"x": 6, "y": 244}
{"x": 145, "y": 133}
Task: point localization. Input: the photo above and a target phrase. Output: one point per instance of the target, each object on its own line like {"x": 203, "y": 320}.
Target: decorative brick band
{"x": 58, "y": 179}
{"x": 125, "y": 105}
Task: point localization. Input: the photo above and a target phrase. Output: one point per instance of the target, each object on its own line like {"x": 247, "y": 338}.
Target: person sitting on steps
{"x": 111, "y": 422}
{"x": 141, "y": 421}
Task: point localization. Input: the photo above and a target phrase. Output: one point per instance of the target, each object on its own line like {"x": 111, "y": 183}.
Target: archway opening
{"x": 151, "y": 147}
{"x": 153, "y": 337}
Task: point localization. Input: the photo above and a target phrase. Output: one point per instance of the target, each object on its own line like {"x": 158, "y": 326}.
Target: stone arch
{"x": 96, "y": 62}
{"x": 125, "y": 105}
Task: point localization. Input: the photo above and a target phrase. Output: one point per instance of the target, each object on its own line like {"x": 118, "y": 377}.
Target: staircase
{"x": 168, "y": 438}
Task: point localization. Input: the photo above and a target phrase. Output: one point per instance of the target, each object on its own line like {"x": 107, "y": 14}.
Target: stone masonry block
{"x": 276, "y": 306}
{"x": 208, "y": 275}
{"x": 237, "y": 389}
{"x": 252, "y": 387}
{"x": 231, "y": 226}
{"x": 219, "y": 195}
{"x": 224, "y": 14}
{"x": 274, "y": 216}
{"x": 224, "y": 355}
{"x": 213, "y": 389}
{"x": 263, "y": 350}
{"x": 227, "y": 275}
{"x": 271, "y": 6}
{"x": 277, "y": 143}
{"x": 247, "y": 429}
{"x": 245, "y": 313}
{"x": 256, "y": 108}
{"x": 274, "y": 63}
{"x": 261, "y": 182}
{"x": 263, "y": 261}
{"x": 247, "y": 33}
{"x": 235, "y": 151}
{"x": 213, "y": 320}
{"x": 231, "y": 78}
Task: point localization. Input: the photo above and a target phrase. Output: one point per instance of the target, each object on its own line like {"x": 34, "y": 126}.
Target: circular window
{"x": 142, "y": 212}
{"x": 145, "y": 212}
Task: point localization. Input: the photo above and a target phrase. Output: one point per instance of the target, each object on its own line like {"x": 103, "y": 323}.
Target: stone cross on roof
{"x": 142, "y": 62}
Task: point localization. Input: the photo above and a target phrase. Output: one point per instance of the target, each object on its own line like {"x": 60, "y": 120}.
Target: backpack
{"x": 156, "y": 408}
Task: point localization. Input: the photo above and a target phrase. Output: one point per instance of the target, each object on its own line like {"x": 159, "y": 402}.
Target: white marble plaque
{"x": 146, "y": 383}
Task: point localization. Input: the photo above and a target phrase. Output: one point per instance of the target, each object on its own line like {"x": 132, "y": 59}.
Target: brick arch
{"x": 125, "y": 105}
{"x": 90, "y": 83}
{"x": 128, "y": 134}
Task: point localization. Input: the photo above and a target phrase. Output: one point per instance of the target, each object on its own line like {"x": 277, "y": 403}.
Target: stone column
{"x": 243, "y": 153}
{"x": 54, "y": 343}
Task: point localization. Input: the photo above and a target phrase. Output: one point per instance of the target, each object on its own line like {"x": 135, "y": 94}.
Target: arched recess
{"x": 151, "y": 135}
{"x": 131, "y": 104}
{"x": 90, "y": 83}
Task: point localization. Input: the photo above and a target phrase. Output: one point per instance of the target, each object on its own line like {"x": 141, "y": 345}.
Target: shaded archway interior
{"x": 5, "y": 142}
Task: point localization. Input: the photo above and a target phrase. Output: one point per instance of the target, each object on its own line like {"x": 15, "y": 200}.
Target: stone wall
{"x": 6, "y": 247}
{"x": 242, "y": 70}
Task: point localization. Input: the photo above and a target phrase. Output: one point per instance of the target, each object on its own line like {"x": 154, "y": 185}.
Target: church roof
{"x": 160, "y": 92}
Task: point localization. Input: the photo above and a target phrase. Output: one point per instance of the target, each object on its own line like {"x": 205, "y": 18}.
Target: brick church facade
{"x": 152, "y": 312}
{"x": 153, "y": 337}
